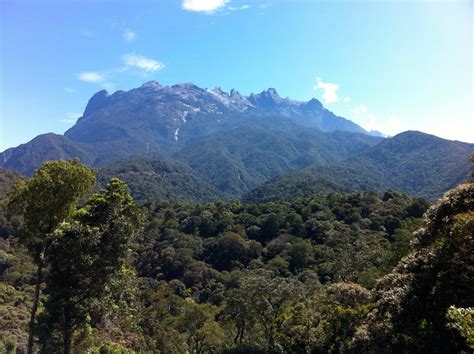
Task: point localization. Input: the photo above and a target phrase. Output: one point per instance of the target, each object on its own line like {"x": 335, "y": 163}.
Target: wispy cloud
{"x": 134, "y": 64}
{"x": 69, "y": 90}
{"x": 91, "y": 76}
{"x": 205, "y": 6}
{"x": 346, "y": 99}
{"x": 237, "y": 8}
{"x": 329, "y": 90}
{"x": 129, "y": 35}
{"x": 143, "y": 63}
{"x": 70, "y": 118}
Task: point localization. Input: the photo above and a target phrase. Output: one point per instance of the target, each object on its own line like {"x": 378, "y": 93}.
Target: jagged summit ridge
{"x": 175, "y": 105}
{"x": 155, "y": 117}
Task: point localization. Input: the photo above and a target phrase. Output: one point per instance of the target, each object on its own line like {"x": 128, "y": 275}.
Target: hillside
{"x": 150, "y": 179}
{"x": 241, "y": 158}
{"x": 7, "y": 180}
{"x": 30, "y": 156}
{"x": 413, "y": 162}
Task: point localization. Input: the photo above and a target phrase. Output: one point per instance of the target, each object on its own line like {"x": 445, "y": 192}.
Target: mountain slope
{"x": 237, "y": 160}
{"x": 150, "y": 179}
{"x": 116, "y": 126}
{"x": 413, "y": 162}
{"x": 28, "y": 157}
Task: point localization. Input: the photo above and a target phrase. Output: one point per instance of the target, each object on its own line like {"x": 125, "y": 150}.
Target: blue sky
{"x": 387, "y": 65}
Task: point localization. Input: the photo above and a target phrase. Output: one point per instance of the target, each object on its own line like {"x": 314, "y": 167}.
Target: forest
{"x": 90, "y": 270}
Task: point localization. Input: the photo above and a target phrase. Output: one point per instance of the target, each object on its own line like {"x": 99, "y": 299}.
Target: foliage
{"x": 47, "y": 199}
{"x": 326, "y": 273}
{"x": 462, "y": 320}
{"x": 159, "y": 179}
{"x": 86, "y": 256}
{"x": 8, "y": 178}
{"x": 42, "y": 203}
{"x": 412, "y": 301}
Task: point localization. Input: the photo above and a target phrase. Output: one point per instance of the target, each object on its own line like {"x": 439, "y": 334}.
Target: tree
{"x": 85, "y": 258}
{"x": 417, "y": 208}
{"x": 261, "y": 299}
{"x": 269, "y": 228}
{"x": 203, "y": 333}
{"x": 412, "y": 301}
{"x": 230, "y": 250}
{"x": 301, "y": 255}
{"x": 43, "y": 202}
{"x": 323, "y": 322}
{"x": 462, "y": 321}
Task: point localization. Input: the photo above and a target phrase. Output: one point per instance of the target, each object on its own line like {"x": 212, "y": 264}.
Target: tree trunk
{"x": 67, "y": 340}
{"x": 236, "y": 338}
{"x": 31, "y": 326}
{"x": 242, "y": 331}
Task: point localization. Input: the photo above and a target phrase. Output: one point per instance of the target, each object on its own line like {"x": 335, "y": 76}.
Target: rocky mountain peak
{"x": 151, "y": 85}
{"x": 313, "y": 104}
{"x": 96, "y": 102}
{"x": 220, "y": 91}
{"x": 272, "y": 92}
{"x": 234, "y": 93}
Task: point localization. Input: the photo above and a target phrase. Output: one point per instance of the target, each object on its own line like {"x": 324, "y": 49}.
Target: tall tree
{"x": 414, "y": 299}
{"x": 90, "y": 254}
{"x": 259, "y": 301}
{"x": 43, "y": 202}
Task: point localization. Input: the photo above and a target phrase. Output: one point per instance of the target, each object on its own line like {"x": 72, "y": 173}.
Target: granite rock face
{"x": 165, "y": 118}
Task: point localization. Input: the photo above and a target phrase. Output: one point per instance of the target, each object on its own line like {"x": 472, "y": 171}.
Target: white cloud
{"x": 206, "y": 6}
{"x": 71, "y": 118}
{"x": 346, "y": 99}
{"x": 237, "y": 8}
{"x": 390, "y": 125}
{"x": 330, "y": 94}
{"x": 372, "y": 122}
{"x": 393, "y": 123}
{"x": 129, "y": 35}
{"x": 142, "y": 63}
{"x": 91, "y": 76}
{"x": 104, "y": 78}
{"x": 69, "y": 90}
{"x": 360, "y": 109}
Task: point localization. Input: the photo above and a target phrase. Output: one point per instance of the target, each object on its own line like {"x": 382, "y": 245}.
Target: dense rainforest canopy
{"x": 330, "y": 272}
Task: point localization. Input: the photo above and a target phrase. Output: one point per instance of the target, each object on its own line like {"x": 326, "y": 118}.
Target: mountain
{"x": 117, "y": 126}
{"x": 150, "y": 179}
{"x": 239, "y": 159}
{"x": 413, "y": 162}
{"x": 193, "y": 143}
{"x": 27, "y": 157}
{"x": 163, "y": 117}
